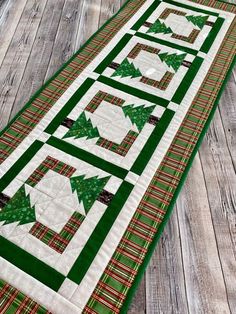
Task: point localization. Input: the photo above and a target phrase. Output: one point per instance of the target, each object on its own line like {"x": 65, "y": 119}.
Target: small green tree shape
{"x": 18, "y": 209}
{"x": 138, "y": 115}
{"x": 172, "y": 60}
{"x": 82, "y": 127}
{"x": 127, "y": 68}
{"x": 197, "y": 20}
{"x": 159, "y": 27}
{"x": 88, "y": 190}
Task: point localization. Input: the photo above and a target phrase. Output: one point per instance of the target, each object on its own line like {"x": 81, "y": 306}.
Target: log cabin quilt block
{"x": 91, "y": 167}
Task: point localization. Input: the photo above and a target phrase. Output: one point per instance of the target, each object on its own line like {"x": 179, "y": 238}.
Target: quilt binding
{"x": 141, "y": 270}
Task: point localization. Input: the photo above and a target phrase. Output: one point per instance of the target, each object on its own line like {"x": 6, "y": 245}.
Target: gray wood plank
{"x": 108, "y": 9}
{"x": 40, "y": 55}
{"x": 89, "y": 21}
{"x": 138, "y": 305}
{"x": 228, "y": 116}
{"x": 10, "y": 13}
{"x": 65, "y": 41}
{"x": 165, "y": 282}
{"x": 219, "y": 173}
{"x": 16, "y": 58}
{"x": 205, "y": 286}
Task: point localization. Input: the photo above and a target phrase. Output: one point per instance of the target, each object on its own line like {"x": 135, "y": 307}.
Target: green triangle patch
{"x": 18, "y": 209}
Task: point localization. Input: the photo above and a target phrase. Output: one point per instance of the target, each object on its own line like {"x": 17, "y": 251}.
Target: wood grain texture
{"x": 193, "y": 269}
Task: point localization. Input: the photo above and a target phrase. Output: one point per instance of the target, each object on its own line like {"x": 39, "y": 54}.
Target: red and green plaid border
{"x": 139, "y": 47}
{"x": 122, "y": 148}
{"x": 58, "y": 241}
{"x": 14, "y": 301}
{"x": 162, "y": 84}
{"x": 166, "y": 79}
{"x": 50, "y": 163}
{"x": 99, "y": 97}
{"x": 42, "y": 102}
{"x": 124, "y": 267}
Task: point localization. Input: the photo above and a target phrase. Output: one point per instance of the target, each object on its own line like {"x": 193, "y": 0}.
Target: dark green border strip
{"x": 111, "y": 56}
{"x": 150, "y": 146}
{"x": 69, "y": 106}
{"x": 189, "y": 7}
{"x": 187, "y": 80}
{"x": 166, "y": 43}
{"x": 154, "y": 243}
{"x": 146, "y": 15}
{"x": 134, "y": 91}
{"x": 212, "y": 35}
{"x": 30, "y": 264}
{"x": 20, "y": 164}
{"x": 99, "y": 234}
{"x": 87, "y": 157}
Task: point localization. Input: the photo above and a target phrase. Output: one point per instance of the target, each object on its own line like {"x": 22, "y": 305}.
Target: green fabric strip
{"x": 189, "y": 7}
{"x": 99, "y": 234}
{"x": 150, "y": 146}
{"x": 69, "y": 106}
{"x": 187, "y": 80}
{"x": 146, "y": 15}
{"x": 87, "y": 157}
{"x": 20, "y": 164}
{"x": 212, "y": 36}
{"x": 167, "y": 43}
{"x": 111, "y": 56}
{"x": 134, "y": 91}
{"x": 34, "y": 267}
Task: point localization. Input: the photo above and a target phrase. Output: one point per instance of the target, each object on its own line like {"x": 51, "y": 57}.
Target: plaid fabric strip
{"x": 192, "y": 36}
{"x": 121, "y": 149}
{"x": 224, "y": 6}
{"x": 190, "y": 39}
{"x": 99, "y": 97}
{"x": 113, "y": 286}
{"x": 25, "y": 123}
{"x": 58, "y": 241}
{"x": 162, "y": 84}
{"x": 139, "y": 47}
{"x": 14, "y": 301}
{"x": 50, "y": 163}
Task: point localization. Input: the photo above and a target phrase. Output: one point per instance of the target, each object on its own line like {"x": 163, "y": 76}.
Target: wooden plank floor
{"x": 193, "y": 269}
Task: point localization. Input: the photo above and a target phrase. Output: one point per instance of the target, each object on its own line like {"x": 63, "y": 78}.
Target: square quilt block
{"x": 114, "y": 125}
{"x": 54, "y": 203}
{"x": 138, "y": 64}
{"x": 180, "y": 24}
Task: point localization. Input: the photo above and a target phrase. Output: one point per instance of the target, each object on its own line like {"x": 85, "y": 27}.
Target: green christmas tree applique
{"x": 88, "y": 190}
{"x": 159, "y": 27}
{"x": 172, "y": 60}
{"x": 199, "y": 21}
{"x": 138, "y": 115}
{"x": 82, "y": 127}
{"x": 127, "y": 68}
{"x": 18, "y": 209}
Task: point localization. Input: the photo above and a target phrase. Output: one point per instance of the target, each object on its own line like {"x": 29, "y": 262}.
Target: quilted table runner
{"x": 92, "y": 165}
